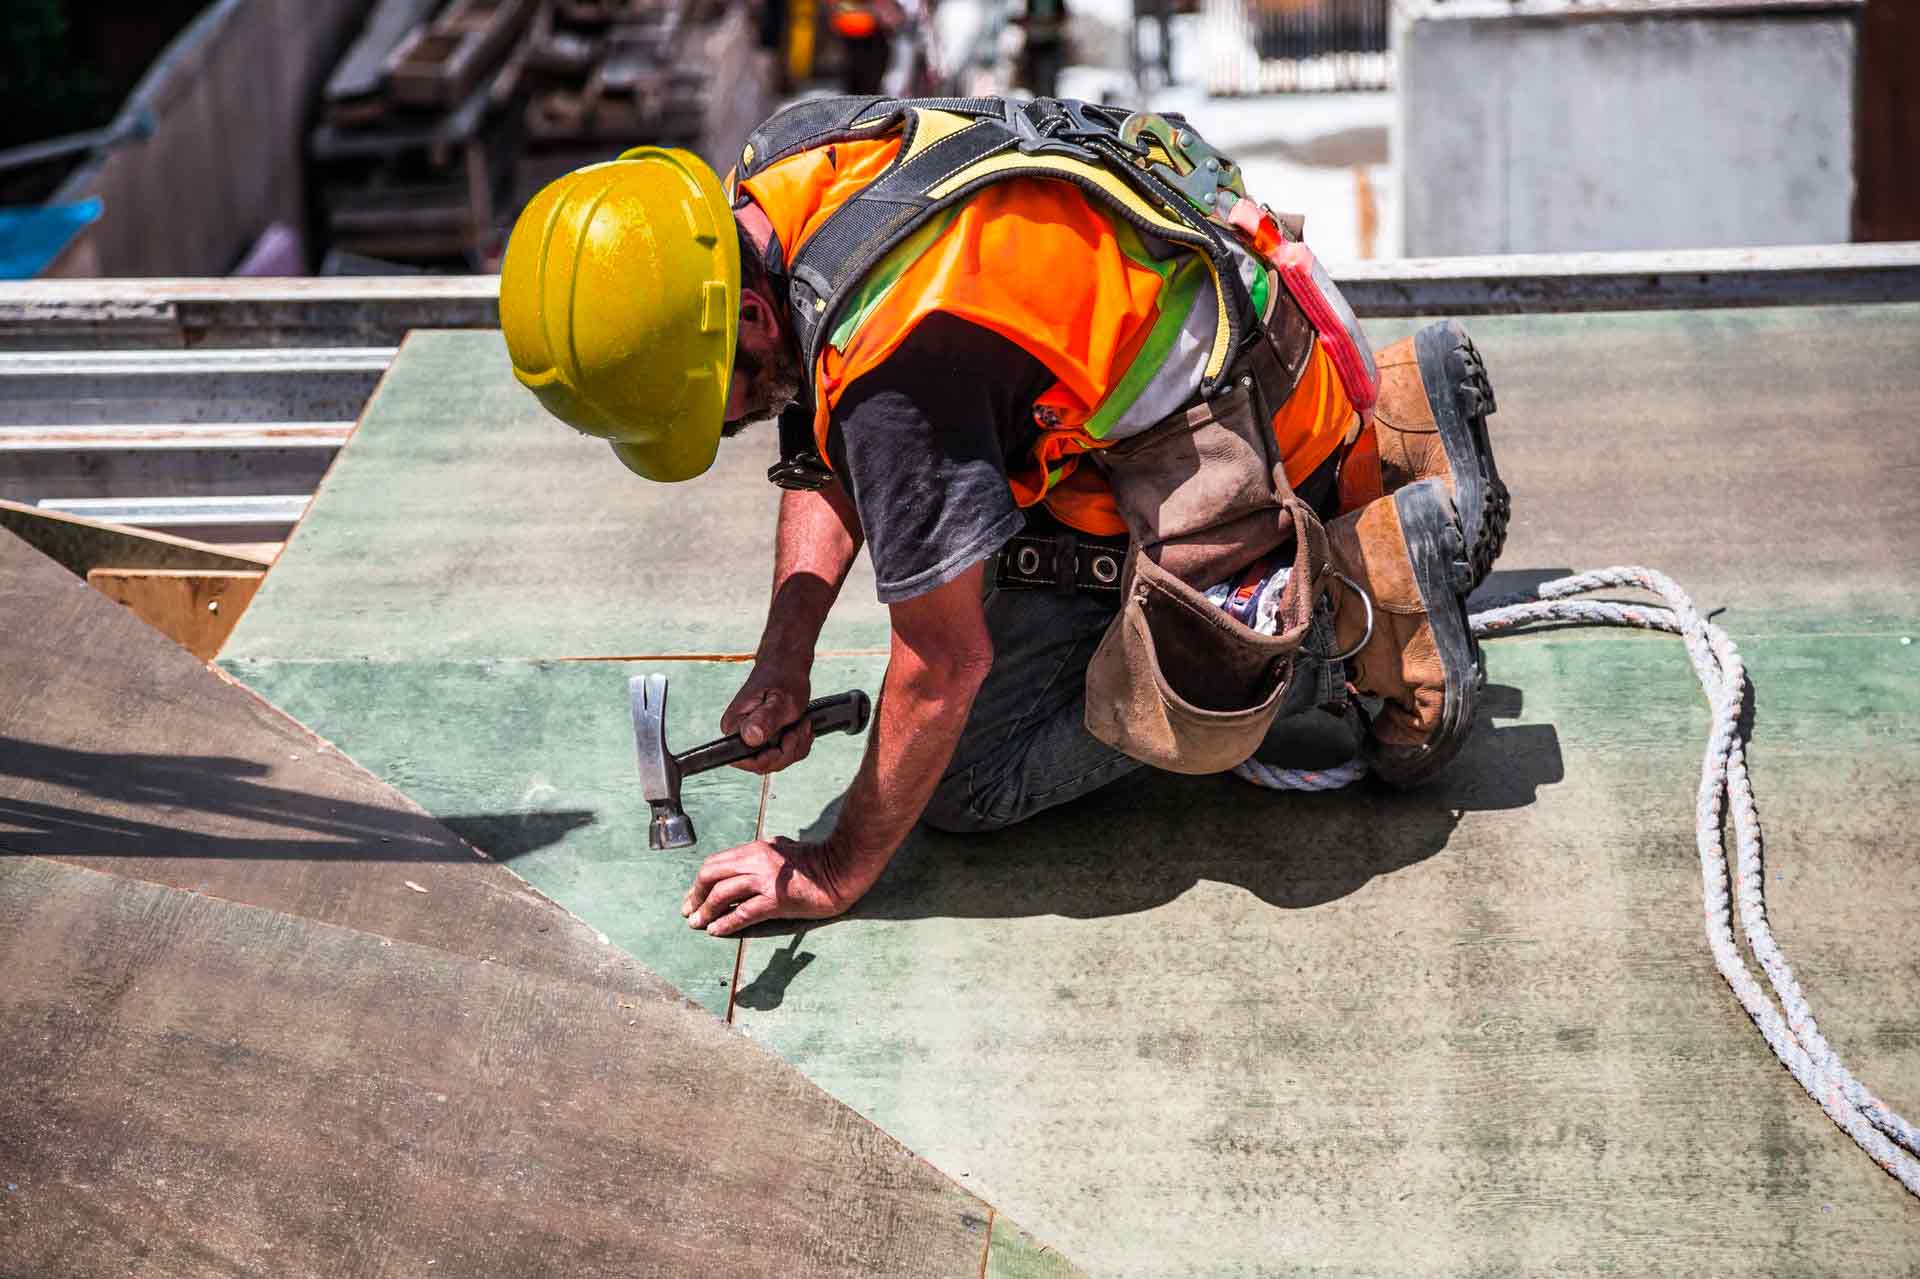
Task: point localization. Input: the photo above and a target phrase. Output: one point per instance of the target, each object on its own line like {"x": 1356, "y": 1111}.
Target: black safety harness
{"x": 1159, "y": 179}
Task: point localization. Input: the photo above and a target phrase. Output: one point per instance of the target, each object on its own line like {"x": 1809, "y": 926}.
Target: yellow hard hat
{"x": 619, "y": 297}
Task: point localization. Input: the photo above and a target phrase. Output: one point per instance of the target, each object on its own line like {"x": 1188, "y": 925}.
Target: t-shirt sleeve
{"x": 920, "y": 443}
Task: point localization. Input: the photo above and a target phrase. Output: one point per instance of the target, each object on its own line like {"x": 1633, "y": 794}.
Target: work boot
{"x": 1431, "y": 423}
{"x": 1403, "y": 607}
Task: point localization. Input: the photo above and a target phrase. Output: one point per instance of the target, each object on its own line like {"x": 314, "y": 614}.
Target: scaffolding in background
{"x": 1297, "y": 46}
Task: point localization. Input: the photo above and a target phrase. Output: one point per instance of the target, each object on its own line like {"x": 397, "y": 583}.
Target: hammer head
{"x": 659, "y": 772}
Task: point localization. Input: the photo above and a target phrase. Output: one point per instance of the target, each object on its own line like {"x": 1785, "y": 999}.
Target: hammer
{"x": 661, "y": 771}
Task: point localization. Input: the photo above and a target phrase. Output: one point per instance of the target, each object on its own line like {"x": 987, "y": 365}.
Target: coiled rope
{"x": 1794, "y": 1036}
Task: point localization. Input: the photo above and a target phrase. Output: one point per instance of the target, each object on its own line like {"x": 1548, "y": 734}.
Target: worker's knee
{"x": 959, "y": 807}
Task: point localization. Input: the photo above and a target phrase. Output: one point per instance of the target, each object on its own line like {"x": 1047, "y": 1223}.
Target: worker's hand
{"x": 770, "y": 711}
{"x": 775, "y": 878}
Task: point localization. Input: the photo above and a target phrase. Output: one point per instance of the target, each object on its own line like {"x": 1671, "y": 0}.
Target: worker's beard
{"x": 772, "y": 384}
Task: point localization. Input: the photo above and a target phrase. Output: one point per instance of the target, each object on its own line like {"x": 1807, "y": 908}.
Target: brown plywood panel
{"x": 203, "y": 1088}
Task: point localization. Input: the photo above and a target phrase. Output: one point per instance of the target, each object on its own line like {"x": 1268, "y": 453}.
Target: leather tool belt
{"x": 1176, "y": 682}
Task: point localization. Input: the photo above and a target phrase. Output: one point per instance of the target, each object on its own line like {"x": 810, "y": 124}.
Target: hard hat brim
{"x": 684, "y": 455}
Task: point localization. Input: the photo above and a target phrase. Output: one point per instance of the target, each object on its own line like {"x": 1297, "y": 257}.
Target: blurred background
{"x": 327, "y": 137}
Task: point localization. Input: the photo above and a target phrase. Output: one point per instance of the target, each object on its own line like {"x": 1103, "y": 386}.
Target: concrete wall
{"x": 231, "y": 98}
{"x": 1648, "y": 131}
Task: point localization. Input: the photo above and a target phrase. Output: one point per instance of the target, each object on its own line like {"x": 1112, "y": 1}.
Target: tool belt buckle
{"x": 1195, "y": 169}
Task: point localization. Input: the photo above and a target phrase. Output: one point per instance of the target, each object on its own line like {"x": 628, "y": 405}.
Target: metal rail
{"x": 365, "y": 311}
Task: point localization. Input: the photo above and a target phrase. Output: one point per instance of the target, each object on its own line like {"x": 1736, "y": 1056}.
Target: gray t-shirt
{"x": 921, "y": 443}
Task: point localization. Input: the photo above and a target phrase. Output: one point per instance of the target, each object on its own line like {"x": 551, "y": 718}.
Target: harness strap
{"x": 808, "y": 124}
{"x": 1060, "y": 139}
{"x": 1064, "y": 563}
{"x": 862, "y": 231}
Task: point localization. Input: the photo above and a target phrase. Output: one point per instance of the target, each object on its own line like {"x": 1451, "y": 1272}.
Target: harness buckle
{"x": 1193, "y": 168}
{"x": 800, "y": 468}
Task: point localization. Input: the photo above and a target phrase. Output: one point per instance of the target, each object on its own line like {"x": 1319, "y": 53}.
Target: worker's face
{"x": 766, "y": 374}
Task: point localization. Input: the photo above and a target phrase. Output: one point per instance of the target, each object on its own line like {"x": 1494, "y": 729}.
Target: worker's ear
{"x": 759, "y": 321}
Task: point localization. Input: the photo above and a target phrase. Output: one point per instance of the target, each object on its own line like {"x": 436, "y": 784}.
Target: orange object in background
{"x": 853, "y": 23}
{"x": 854, "y": 19}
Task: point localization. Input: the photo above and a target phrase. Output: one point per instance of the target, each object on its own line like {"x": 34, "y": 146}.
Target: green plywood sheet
{"x": 462, "y": 521}
{"x": 1467, "y": 1031}
{"x": 1012, "y": 1253}
{"x": 1754, "y": 456}
{"x": 545, "y": 750}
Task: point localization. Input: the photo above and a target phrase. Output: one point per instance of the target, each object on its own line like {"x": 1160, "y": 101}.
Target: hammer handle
{"x": 846, "y": 712}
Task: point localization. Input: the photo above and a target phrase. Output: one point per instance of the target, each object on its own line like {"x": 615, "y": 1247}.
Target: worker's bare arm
{"x": 818, "y": 536}
{"x": 940, "y": 655}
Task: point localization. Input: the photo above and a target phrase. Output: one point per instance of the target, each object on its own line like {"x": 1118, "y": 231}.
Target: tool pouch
{"x": 1176, "y": 682}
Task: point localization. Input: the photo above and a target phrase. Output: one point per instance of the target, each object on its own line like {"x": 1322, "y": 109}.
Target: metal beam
{"x": 267, "y": 518}
{"x": 102, "y": 388}
{"x": 361, "y": 310}
{"x": 1666, "y": 280}
{"x": 166, "y": 460}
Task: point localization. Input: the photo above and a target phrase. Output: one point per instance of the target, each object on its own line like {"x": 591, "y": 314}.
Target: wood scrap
{"x": 437, "y": 65}
{"x": 194, "y": 608}
{"x": 354, "y": 95}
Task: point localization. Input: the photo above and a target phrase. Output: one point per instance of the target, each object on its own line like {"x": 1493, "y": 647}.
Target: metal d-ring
{"x": 1365, "y": 599}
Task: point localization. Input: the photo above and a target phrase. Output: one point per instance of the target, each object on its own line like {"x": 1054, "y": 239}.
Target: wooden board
{"x": 194, "y": 608}
{"x": 361, "y": 71}
{"x": 82, "y": 545}
{"x": 202, "y": 1088}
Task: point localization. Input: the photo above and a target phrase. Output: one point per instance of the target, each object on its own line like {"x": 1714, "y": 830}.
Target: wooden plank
{"x": 218, "y": 1089}
{"x": 360, "y": 73}
{"x": 81, "y": 545}
{"x": 438, "y": 65}
{"x": 194, "y": 608}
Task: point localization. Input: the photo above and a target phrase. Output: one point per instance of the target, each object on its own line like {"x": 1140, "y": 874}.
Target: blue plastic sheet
{"x": 31, "y": 238}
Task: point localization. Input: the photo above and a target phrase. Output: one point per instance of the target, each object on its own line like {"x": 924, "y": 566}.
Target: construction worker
{"x": 1055, "y": 400}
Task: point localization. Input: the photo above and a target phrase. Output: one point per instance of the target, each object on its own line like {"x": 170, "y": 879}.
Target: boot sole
{"x": 1436, "y": 549}
{"x": 1461, "y": 396}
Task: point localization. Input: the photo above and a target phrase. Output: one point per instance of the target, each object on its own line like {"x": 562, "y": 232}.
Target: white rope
{"x": 1794, "y": 1036}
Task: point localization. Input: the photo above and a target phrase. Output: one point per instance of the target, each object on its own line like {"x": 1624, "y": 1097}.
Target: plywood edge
{"x": 80, "y": 545}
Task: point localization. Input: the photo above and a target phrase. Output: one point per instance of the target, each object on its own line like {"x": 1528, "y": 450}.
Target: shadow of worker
{"x": 1145, "y": 841}
{"x": 59, "y": 801}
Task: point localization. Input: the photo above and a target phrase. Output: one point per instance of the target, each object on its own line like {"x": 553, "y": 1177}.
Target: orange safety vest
{"x": 1033, "y": 260}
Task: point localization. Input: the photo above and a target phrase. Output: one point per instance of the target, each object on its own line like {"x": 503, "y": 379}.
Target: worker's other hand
{"x": 769, "y": 713}
{"x": 775, "y": 878}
